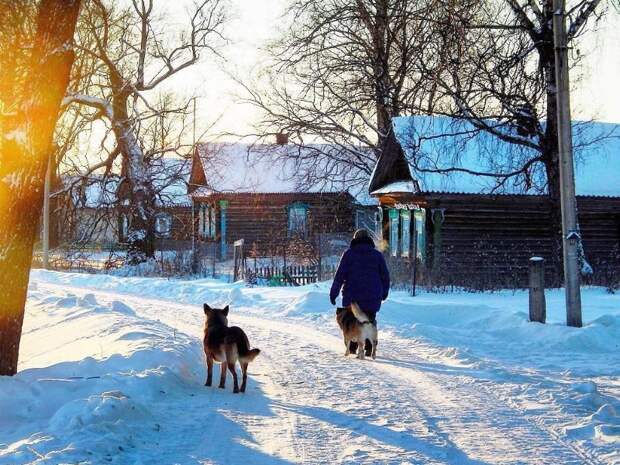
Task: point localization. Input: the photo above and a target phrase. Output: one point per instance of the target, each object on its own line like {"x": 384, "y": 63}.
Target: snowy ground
{"x": 112, "y": 372}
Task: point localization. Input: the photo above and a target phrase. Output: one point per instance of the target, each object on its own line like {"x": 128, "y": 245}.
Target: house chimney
{"x": 281, "y": 138}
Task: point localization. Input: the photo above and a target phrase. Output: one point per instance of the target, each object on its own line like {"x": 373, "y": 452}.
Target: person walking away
{"x": 363, "y": 277}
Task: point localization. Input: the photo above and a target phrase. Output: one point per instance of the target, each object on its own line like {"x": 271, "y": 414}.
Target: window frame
{"x": 168, "y": 219}
{"x": 297, "y": 206}
{"x": 394, "y": 239}
{"x": 405, "y": 233}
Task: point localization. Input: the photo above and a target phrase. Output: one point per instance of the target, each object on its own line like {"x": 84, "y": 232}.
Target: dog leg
{"x": 222, "y": 376}
{"x": 209, "y": 370}
{"x": 231, "y": 367}
{"x": 360, "y": 350}
{"x": 244, "y": 371}
{"x": 347, "y": 345}
{"x": 374, "y": 349}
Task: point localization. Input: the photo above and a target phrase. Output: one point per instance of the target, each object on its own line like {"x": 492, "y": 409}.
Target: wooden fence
{"x": 289, "y": 275}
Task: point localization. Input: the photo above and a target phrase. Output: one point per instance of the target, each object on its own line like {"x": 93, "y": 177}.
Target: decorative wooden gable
{"x": 197, "y": 176}
{"x": 392, "y": 169}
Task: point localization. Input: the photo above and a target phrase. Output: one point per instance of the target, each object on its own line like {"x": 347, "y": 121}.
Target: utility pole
{"x": 570, "y": 233}
{"x": 193, "y": 232}
{"x": 46, "y": 212}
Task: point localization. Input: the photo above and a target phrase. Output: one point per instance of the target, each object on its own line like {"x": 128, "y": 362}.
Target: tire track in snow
{"x": 458, "y": 413}
{"x": 501, "y": 395}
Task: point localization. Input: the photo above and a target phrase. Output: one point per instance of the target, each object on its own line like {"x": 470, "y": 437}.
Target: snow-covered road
{"x": 418, "y": 403}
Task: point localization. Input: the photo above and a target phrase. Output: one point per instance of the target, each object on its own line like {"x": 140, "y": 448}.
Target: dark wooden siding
{"x": 262, "y": 219}
{"x": 181, "y": 222}
{"x": 486, "y": 240}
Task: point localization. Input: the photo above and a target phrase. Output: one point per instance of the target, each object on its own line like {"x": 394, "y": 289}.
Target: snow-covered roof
{"x": 257, "y": 168}
{"x": 397, "y": 187}
{"x": 169, "y": 176}
{"x": 170, "y": 180}
{"x": 445, "y": 143}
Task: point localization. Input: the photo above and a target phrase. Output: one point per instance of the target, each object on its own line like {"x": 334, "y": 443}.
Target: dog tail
{"x": 359, "y": 314}
{"x": 249, "y": 356}
{"x": 246, "y": 354}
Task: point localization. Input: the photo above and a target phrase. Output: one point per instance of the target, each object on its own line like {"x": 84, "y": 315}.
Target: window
{"x": 420, "y": 229}
{"x": 123, "y": 227}
{"x": 359, "y": 219}
{"x": 201, "y": 220}
{"x": 298, "y": 219}
{"x": 394, "y": 223}
{"x": 365, "y": 219}
{"x": 163, "y": 224}
{"x": 206, "y": 221}
{"x": 405, "y": 216}
{"x": 379, "y": 223}
{"x": 212, "y": 223}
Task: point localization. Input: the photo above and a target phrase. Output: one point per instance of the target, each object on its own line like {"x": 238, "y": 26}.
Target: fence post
{"x": 538, "y": 306}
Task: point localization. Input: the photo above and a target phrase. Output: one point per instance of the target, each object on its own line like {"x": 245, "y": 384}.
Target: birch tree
{"x": 135, "y": 52}
{"x": 25, "y": 143}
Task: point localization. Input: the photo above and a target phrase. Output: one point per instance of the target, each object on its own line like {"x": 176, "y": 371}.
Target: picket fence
{"x": 289, "y": 275}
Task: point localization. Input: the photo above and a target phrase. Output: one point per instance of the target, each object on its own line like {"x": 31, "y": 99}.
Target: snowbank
{"x": 90, "y": 376}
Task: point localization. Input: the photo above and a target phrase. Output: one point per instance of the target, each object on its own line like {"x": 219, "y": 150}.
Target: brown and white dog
{"x": 357, "y": 327}
{"x": 226, "y": 345}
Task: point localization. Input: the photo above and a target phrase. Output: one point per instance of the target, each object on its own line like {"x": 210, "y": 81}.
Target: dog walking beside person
{"x": 226, "y": 345}
{"x": 364, "y": 279}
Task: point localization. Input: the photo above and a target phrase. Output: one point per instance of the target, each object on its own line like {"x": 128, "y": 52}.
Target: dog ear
{"x": 207, "y": 309}
{"x": 225, "y": 310}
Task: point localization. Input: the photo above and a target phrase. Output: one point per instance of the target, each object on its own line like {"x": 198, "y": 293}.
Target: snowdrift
{"x": 90, "y": 376}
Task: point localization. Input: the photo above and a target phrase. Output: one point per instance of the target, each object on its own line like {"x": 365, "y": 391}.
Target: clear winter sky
{"x": 253, "y": 22}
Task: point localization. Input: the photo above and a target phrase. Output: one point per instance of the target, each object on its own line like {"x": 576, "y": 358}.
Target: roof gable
{"x": 392, "y": 173}
{"x": 197, "y": 176}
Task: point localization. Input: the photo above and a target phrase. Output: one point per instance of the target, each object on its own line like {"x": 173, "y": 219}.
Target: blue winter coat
{"x": 362, "y": 275}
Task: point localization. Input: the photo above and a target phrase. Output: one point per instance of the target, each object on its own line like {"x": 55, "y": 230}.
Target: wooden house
{"x": 87, "y": 210}
{"x": 479, "y": 233}
{"x": 240, "y": 192}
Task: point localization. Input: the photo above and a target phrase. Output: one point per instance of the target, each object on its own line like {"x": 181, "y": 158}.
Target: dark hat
{"x": 360, "y": 233}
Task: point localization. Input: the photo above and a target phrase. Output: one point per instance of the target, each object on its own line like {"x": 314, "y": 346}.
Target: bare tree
{"x": 338, "y": 75}
{"x": 495, "y": 72}
{"x": 91, "y": 207}
{"x": 25, "y": 145}
{"x": 133, "y": 55}
{"x": 498, "y": 75}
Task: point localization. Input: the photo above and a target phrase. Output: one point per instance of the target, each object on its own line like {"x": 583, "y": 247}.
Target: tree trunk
{"x": 136, "y": 191}
{"x": 24, "y": 150}
{"x": 381, "y": 72}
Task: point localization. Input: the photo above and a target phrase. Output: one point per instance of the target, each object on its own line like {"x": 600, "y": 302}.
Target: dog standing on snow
{"x": 226, "y": 345}
{"x": 357, "y": 327}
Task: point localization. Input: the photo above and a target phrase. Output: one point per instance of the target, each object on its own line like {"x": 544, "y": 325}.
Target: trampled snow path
{"x": 308, "y": 404}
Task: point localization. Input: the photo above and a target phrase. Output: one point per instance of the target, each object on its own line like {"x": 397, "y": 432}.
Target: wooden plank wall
{"x": 262, "y": 219}
{"x": 487, "y": 239}
{"x": 599, "y": 220}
